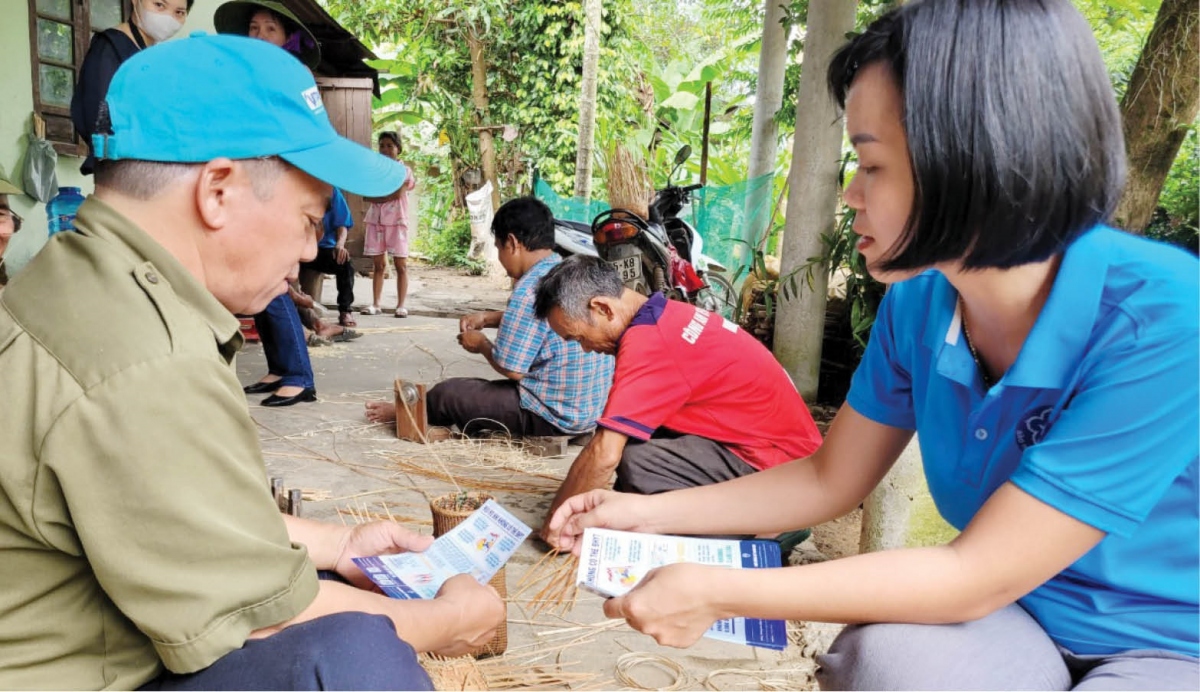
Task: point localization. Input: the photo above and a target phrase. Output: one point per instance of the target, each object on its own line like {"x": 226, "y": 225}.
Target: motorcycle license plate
{"x": 629, "y": 268}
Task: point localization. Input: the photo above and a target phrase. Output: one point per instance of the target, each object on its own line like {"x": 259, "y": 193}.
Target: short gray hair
{"x": 571, "y": 285}
{"x": 144, "y": 180}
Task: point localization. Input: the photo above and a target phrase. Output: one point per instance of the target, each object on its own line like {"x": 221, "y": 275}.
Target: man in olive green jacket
{"x": 139, "y": 545}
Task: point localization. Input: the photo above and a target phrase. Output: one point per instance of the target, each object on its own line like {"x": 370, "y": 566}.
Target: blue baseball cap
{"x": 206, "y": 97}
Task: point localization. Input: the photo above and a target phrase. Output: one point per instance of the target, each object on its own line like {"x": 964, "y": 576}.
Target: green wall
{"x": 16, "y": 110}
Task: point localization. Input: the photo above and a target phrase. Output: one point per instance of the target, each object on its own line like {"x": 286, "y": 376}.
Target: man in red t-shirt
{"x": 695, "y": 400}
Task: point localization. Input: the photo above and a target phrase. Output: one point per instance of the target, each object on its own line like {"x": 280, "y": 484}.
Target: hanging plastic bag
{"x": 41, "y": 164}
{"x": 483, "y": 246}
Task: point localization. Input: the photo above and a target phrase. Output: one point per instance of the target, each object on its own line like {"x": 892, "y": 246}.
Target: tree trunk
{"x": 812, "y": 203}
{"x": 587, "y": 99}
{"x": 479, "y": 98}
{"x": 768, "y": 97}
{"x": 1159, "y": 105}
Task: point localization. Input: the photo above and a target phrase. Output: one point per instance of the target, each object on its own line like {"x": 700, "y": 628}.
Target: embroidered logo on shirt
{"x": 1033, "y": 427}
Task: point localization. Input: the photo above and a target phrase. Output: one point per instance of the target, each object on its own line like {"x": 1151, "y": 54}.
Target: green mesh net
{"x": 722, "y": 214}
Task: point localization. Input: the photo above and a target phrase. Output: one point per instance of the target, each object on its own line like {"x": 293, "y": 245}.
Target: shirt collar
{"x": 98, "y": 220}
{"x": 1055, "y": 345}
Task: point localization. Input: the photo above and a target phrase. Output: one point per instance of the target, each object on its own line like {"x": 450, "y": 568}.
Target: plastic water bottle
{"x": 61, "y": 210}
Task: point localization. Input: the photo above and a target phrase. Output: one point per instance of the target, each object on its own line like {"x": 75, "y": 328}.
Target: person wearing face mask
{"x": 152, "y": 22}
{"x": 269, "y": 21}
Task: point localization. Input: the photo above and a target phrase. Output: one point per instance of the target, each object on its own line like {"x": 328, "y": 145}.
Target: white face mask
{"x": 159, "y": 27}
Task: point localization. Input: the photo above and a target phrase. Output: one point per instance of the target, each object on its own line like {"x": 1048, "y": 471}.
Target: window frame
{"x": 81, "y": 28}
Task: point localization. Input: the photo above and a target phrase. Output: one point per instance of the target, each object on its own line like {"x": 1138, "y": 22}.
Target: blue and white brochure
{"x": 611, "y": 563}
{"x": 479, "y": 546}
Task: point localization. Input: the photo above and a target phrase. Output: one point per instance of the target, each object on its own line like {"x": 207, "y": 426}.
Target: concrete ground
{"x": 350, "y": 469}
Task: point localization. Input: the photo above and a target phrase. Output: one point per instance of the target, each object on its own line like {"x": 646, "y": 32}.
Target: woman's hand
{"x": 371, "y": 539}
{"x": 674, "y": 603}
{"x": 604, "y": 509}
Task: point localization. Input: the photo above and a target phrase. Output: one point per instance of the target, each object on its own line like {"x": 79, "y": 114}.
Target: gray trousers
{"x": 1007, "y": 650}
{"x": 669, "y": 461}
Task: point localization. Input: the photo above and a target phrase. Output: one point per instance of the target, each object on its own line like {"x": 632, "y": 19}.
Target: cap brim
{"x": 350, "y": 167}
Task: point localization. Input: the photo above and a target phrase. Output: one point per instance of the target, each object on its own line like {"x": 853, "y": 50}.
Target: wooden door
{"x": 348, "y": 102}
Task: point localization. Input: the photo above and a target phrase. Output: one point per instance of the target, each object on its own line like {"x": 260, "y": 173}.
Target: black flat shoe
{"x": 262, "y": 387}
{"x": 309, "y": 394}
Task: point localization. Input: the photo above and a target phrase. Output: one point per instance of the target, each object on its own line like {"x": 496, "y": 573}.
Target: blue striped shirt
{"x": 561, "y": 383}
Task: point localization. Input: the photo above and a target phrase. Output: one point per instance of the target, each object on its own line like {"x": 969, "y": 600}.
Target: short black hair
{"x": 394, "y": 136}
{"x": 572, "y": 284}
{"x": 528, "y": 219}
{"x": 1013, "y": 129}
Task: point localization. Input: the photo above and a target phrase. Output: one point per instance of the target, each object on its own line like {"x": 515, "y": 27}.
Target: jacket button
{"x": 152, "y": 277}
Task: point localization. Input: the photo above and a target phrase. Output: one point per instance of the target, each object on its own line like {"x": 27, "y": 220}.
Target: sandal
{"x": 347, "y": 335}
{"x": 316, "y": 341}
{"x": 402, "y": 312}
{"x": 370, "y": 310}
{"x": 346, "y": 319}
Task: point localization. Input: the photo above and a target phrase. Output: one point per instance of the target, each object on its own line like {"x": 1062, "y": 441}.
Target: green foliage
{"x": 448, "y": 246}
{"x": 1177, "y": 219}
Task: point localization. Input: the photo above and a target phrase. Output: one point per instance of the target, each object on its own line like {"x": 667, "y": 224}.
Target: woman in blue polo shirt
{"x": 1048, "y": 363}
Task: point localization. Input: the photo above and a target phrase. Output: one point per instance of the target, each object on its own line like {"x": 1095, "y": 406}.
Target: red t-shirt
{"x": 696, "y": 373}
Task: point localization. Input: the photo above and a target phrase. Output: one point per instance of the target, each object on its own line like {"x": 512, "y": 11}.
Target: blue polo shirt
{"x": 1098, "y": 417}
{"x": 336, "y": 216}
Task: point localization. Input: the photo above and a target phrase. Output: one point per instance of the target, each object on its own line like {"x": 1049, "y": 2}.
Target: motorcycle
{"x": 662, "y": 253}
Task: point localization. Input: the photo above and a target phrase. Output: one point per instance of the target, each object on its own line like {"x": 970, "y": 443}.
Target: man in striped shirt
{"x": 549, "y": 386}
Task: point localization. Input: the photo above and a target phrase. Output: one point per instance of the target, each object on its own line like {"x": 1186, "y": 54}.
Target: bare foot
{"x": 381, "y": 412}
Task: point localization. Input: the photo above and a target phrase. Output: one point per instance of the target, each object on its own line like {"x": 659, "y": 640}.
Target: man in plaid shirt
{"x": 549, "y": 386}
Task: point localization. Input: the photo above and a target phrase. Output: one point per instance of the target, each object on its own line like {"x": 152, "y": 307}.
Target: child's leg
{"x": 1007, "y": 650}
{"x": 380, "y": 266}
{"x": 401, "y": 279}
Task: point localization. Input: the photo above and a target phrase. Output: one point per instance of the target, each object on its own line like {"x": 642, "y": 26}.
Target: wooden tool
{"x": 412, "y": 423}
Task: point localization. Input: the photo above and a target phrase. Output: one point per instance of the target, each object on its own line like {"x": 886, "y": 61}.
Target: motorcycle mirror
{"x": 683, "y": 154}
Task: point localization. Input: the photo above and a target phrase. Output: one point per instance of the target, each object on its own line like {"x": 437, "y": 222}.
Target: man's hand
{"x": 471, "y": 612}
{"x": 371, "y": 539}
{"x": 480, "y": 320}
{"x": 596, "y": 509}
{"x": 474, "y": 341}
{"x": 340, "y": 254}
{"x": 472, "y": 322}
{"x": 671, "y": 603}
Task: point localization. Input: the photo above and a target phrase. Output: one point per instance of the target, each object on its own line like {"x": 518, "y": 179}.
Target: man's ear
{"x": 217, "y": 191}
{"x": 602, "y": 306}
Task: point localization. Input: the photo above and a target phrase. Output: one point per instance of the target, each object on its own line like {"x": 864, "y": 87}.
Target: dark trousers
{"x": 345, "y": 651}
{"x": 326, "y": 263}
{"x": 669, "y": 461}
{"x": 477, "y": 406}
{"x": 283, "y": 343}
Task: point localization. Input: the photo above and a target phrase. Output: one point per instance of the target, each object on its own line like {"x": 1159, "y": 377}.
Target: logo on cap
{"x": 312, "y": 96}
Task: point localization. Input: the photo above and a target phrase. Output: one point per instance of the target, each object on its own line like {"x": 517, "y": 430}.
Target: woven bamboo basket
{"x": 449, "y": 511}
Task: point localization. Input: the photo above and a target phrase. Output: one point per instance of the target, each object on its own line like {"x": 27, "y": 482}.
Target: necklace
{"x": 983, "y": 371}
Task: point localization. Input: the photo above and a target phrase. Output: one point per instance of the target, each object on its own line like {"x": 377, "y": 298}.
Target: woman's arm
{"x": 1013, "y": 545}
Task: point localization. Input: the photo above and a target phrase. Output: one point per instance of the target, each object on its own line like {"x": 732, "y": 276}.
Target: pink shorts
{"x": 381, "y": 239}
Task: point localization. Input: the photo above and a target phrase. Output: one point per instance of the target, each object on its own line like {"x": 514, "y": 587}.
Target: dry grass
{"x": 628, "y": 182}
{"x": 554, "y": 579}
